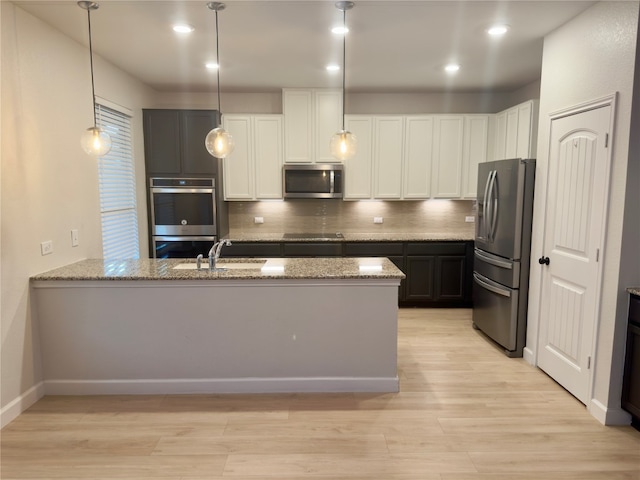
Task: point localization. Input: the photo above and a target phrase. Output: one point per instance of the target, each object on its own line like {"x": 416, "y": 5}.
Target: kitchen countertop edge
{"x": 163, "y": 270}
{"x": 634, "y": 291}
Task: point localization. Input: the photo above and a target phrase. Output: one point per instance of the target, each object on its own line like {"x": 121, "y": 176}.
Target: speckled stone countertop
{"x": 634, "y": 291}
{"x": 249, "y": 269}
{"x": 356, "y": 237}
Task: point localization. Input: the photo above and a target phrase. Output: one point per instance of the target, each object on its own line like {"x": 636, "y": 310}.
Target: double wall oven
{"x": 183, "y": 216}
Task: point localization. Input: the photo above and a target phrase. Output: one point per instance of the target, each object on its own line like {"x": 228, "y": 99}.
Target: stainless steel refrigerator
{"x": 502, "y": 249}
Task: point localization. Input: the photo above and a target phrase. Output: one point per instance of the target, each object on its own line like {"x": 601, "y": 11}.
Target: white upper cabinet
{"x": 253, "y": 171}
{"x": 448, "y": 133}
{"x": 358, "y": 171}
{"x": 311, "y": 117}
{"x": 388, "y": 140}
{"x": 516, "y": 131}
{"x": 418, "y": 152}
{"x": 476, "y": 136}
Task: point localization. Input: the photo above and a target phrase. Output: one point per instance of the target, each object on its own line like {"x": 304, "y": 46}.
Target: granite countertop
{"x": 272, "y": 268}
{"x": 634, "y": 291}
{"x": 356, "y": 237}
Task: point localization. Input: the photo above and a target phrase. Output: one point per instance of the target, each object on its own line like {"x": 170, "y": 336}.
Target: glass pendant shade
{"x": 344, "y": 145}
{"x": 219, "y": 143}
{"x": 95, "y": 141}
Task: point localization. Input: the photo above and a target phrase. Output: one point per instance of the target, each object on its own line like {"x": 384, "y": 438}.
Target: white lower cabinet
{"x": 253, "y": 171}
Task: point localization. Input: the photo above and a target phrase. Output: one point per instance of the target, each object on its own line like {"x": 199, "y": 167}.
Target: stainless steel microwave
{"x": 318, "y": 180}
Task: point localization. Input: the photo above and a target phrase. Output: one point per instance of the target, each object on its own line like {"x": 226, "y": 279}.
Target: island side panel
{"x": 168, "y": 337}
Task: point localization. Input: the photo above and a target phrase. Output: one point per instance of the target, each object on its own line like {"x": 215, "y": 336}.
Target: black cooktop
{"x": 313, "y": 235}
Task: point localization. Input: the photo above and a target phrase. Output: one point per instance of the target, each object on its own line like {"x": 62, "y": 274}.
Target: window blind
{"x": 118, "y": 188}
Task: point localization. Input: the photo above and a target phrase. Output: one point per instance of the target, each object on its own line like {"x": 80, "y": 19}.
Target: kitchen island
{"x": 275, "y": 325}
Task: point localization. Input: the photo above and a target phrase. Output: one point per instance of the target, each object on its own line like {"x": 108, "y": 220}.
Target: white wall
{"x": 49, "y": 185}
{"x": 590, "y": 57}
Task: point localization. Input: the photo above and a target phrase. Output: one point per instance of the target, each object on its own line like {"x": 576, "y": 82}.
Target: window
{"x": 118, "y": 188}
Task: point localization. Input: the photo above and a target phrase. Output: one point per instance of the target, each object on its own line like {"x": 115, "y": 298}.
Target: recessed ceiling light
{"x": 498, "y": 30}
{"x": 211, "y": 65}
{"x": 333, "y": 68}
{"x": 452, "y": 68}
{"x": 340, "y": 30}
{"x": 183, "y": 28}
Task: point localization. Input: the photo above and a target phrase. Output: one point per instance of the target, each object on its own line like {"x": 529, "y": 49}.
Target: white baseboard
{"x": 608, "y": 416}
{"x": 227, "y": 385}
{"x": 528, "y": 356}
{"x": 14, "y": 408}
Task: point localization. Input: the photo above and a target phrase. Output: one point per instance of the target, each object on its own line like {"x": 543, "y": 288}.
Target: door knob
{"x": 543, "y": 260}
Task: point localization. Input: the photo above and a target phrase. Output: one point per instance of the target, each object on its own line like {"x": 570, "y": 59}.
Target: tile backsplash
{"x": 325, "y": 216}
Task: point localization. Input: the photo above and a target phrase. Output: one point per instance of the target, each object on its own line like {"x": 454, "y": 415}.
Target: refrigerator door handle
{"x": 485, "y": 210}
{"x": 492, "y": 288}
{"x": 493, "y": 261}
{"x": 489, "y": 207}
{"x": 494, "y": 198}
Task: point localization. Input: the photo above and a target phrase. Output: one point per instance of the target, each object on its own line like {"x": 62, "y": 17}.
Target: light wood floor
{"x": 465, "y": 412}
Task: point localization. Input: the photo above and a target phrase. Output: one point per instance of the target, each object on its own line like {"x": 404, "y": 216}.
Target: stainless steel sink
{"x": 224, "y": 265}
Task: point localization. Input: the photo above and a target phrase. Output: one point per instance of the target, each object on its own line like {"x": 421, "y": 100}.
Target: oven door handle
{"x": 492, "y": 288}
{"x": 181, "y": 190}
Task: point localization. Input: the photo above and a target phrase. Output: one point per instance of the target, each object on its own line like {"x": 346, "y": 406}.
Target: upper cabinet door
{"x": 267, "y": 130}
{"x": 196, "y": 124}
{"x": 358, "y": 171}
{"x": 499, "y": 147}
{"x": 511, "y": 143}
{"x": 447, "y": 156}
{"x": 387, "y": 156}
{"x": 328, "y": 120}
{"x": 418, "y": 152}
{"x": 476, "y": 134}
{"x": 527, "y": 129}
{"x": 162, "y": 141}
{"x": 297, "y": 107}
{"x": 238, "y": 166}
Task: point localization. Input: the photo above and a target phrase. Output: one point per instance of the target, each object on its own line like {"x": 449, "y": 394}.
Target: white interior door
{"x": 577, "y": 189}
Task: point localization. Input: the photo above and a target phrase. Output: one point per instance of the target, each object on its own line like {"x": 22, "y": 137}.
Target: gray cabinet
{"x": 174, "y": 142}
{"x": 439, "y": 274}
{"x": 631, "y": 378}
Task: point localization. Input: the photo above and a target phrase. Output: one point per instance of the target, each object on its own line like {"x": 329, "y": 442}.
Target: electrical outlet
{"x": 46, "y": 248}
{"x": 258, "y": 219}
{"x": 378, "y": 219}
{"x": 469, "y": 219}
{"x": 74, "y": 238}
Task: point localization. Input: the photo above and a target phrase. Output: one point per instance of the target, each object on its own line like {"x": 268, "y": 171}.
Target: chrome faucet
{"x": 199, "y": 262}
{"x": 214, "y": 253}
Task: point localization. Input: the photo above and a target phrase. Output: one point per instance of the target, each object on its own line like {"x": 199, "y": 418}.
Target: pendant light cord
{"x": 93, "y": 88}
{"x": 218, "y": 72}
{"x": 344, "y": 61}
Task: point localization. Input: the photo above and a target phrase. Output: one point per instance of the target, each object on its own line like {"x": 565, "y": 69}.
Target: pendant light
{"x": 343, "y": 143}
{"x": 95, "y": 141}
{"x": 219, "y": 142}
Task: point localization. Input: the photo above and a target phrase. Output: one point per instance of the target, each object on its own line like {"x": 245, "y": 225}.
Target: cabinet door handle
{"x": 544, "y": 260}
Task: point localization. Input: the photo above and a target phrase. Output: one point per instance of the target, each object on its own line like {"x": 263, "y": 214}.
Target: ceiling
{"x": 393, "y": 45}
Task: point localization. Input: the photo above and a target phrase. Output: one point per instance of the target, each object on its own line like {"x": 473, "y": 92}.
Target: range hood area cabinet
{"x": 311, "y": 117}
{"x": 174, "y": 142}
{"x": 414, "y": 157}
{"x": 253, "y": 171}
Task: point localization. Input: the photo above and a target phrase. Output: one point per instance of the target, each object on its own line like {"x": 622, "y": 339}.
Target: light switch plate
{"x": 258, "y": 219}
{"x": 46, "y": 248}
{"x": 378, "y": 219}
{"x": 75, "y": 241}
{"x": 469, "y": 219}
